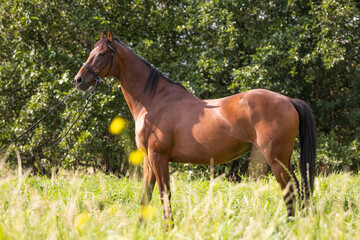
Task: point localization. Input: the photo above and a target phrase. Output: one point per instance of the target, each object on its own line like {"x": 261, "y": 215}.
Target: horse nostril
{"x": 78, "y": 80}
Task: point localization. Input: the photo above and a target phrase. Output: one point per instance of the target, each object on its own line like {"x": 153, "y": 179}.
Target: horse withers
{"x": 173, "y": 125}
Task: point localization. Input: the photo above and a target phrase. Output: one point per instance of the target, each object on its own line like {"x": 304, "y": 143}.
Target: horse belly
{"x": 209, "y": 142}
{"x": 205, "y": 153}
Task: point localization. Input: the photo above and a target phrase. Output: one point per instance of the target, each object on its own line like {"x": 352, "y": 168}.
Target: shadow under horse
{"x": 173, "y": 125}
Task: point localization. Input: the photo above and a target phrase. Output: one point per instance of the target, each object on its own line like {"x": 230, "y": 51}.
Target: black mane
{"x": 154, "y": 75}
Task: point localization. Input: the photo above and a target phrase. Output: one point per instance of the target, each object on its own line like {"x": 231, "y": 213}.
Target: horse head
{"x": 99, "y": 64}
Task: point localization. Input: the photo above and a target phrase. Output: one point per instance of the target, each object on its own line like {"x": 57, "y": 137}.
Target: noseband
{"x": 112, "y": 56}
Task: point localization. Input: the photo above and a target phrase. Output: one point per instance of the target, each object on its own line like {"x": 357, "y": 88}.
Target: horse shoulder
{"x": 153, "y": 131}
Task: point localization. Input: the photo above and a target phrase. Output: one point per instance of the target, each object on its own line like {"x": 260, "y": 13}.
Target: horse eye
{"x": 101, "y": 54}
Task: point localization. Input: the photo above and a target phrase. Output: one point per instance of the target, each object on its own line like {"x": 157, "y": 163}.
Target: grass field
{"x": 96, "y": 206}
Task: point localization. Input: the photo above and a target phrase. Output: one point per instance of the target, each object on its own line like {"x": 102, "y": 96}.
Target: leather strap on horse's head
{"x": 112, "y": 56}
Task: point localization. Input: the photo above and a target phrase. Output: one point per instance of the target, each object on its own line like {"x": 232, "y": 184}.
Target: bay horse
{"x": 173, "y": 125}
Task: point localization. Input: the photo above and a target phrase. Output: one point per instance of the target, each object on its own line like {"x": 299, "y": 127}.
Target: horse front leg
{"x": 160, "y": 165}
{"x": 147, "y": 187}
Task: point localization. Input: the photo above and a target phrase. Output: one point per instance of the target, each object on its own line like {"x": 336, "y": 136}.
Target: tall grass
{"x": 76, "y": 205}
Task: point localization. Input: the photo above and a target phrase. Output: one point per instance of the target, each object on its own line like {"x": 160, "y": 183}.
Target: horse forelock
{"x": 101, "y": 42}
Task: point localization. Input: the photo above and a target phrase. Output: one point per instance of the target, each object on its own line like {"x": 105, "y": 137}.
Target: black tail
{"x": 307, "y": 145}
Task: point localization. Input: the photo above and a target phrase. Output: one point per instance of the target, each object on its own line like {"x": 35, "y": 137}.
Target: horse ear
{"x": 101, "y": 36}
{"x": 110, "y": 36}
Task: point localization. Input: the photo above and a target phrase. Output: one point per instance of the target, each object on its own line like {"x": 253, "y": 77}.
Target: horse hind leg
{"x": 289, "y": 184}
{"x": 279, "y": 160}
{"x": 283, "y": 173}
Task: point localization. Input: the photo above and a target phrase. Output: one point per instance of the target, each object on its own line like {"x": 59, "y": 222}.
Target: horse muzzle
{"x": 82, "y": 83}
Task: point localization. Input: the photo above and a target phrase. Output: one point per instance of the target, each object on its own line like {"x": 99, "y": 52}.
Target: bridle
{"x": 92, "y": 93}
{"x": 112, "y": 57}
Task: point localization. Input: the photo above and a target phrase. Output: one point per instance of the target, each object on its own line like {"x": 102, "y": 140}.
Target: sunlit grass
{"x": 76, "y": 205}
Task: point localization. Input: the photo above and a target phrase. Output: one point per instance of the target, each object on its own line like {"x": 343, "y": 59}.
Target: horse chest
{"x": 151, "y": 136}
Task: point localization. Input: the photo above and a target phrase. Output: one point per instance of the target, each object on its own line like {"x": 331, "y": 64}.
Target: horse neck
{"x": 132, "y": 74}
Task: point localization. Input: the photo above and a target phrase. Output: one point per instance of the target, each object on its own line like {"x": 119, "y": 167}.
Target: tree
{"x": 304, "y": 49}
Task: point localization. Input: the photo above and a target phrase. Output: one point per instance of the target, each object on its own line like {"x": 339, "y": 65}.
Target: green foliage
{"x": 334, "y": 156}
{"x": 304, "y": 49}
